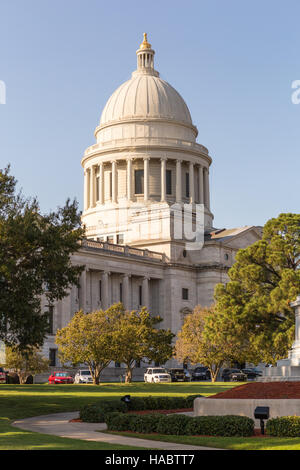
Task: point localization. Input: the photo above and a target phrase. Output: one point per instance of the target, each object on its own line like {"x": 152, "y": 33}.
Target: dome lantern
{"x": 145, "y": 58}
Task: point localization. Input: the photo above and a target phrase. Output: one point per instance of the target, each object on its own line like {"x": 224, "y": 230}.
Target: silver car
{"x": 83, "y": 377}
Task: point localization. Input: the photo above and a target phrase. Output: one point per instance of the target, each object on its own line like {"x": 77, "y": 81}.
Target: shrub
{"x": 225, "y": 426}
{"x": 96, "y": 413}
{"x": 178, "y": 424}
{"x": 284, "y": 426}
{"x": 173, "y": 424}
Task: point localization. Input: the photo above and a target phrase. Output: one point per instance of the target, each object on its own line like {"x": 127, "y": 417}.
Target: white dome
{"x": 145, "y": 96}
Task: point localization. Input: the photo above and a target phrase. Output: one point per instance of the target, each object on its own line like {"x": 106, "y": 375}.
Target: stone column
{"x": 146, "y": 178}
{"x": 86, "y": 189}
{"x": 206, "y": 179}
{"x": 106, "y": 297}
{"x": 178, "y": 182}
{"x": 163, "y": 178}
{"x": 129, "y": 179}
{"x": 201, "y": 185}
{"x": 192, "y": 184}
{"x": 145, "y": 292}
{"x": 114, "y": 181}
{"x": 101, "y": 183}
{"x": 126, "y": 292}
{"x": 92, "y": 186}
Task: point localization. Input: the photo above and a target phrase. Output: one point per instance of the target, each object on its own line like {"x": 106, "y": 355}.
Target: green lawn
{"x": 233, "y": 443}
{"x": 24, "y": 401}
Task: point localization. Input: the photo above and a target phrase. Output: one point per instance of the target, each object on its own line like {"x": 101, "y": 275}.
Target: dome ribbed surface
{"x": 145, "y": 96}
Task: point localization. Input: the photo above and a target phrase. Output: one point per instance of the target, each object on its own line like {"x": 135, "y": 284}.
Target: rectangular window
{"x": 97, "y": 188}
{"x": 140, "y": 295}
{"x": 117, "y": 364}
{"x": 52, "y": 357}
{"x": 121, "y": 292}
{"x": 110, "y": 185}
{"x": 110, "y": 239}
{"x": 139, "y": 181}
{"x": 187, "y": 185}
{"x": 100, "y": 291}
{"x": 185, "y": 294}
{"x": 169, "y": 181}
{"x": 120, "y": 238}
{"x": 51, "y": 319}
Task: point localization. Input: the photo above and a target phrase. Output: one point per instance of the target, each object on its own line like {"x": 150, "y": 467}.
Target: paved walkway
{"x": 59, "y": 425}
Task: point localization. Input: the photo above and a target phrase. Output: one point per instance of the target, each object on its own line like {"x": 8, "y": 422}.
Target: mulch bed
{"x": 272, "y": 390}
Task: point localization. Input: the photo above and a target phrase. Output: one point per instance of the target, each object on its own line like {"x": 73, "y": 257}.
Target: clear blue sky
{"x": 232, "y": 61}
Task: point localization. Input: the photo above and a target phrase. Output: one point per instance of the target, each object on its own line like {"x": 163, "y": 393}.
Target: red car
{"x": 2, "y": 376}
{"x": 60, "y": 378}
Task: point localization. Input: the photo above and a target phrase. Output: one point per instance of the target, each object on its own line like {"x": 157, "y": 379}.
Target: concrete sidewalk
{"x": 59, "y": 425}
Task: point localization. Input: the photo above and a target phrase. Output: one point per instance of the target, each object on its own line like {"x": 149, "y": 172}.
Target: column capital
{"x": 146, "y": 158}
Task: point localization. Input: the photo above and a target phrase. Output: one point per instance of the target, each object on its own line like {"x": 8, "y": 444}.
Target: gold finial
{"x": 145, "y": 44}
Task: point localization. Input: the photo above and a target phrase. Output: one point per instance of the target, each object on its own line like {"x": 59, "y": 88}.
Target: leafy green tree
{"x": 25, "y": 364}
{"x": 35, "y": 254}
{"x": 264, "y": 280}
{"x": 88, "y": 339}
{"x": 203, "y": 340}
{"x": 137, "y": 338}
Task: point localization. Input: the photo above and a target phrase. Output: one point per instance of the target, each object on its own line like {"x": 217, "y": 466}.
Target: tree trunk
{"x": 128, "y": 376}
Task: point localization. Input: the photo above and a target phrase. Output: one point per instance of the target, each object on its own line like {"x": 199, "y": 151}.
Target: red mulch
{"x": 263, "y": 390}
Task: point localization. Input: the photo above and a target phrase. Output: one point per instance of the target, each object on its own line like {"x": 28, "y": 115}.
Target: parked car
{"x": 157, "y": 375}
{"x": 2, "y": 376}
{"x": 201, "y": 373}
{"x": 233, "y": 375}
{"x": 60, "y": 378}
{"x": 83, "y": 377}
{"x": 252, "y": 373}
{"x": 177, "y": 375}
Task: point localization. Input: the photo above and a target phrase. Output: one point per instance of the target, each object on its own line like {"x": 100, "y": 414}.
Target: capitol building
{"x": 145, "y": 179}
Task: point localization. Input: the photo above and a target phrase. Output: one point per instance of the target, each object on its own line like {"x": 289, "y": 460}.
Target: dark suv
{"x": 233, "y": 375}
{"x": 201, "y": 373}
{"x": 177, "y": 375}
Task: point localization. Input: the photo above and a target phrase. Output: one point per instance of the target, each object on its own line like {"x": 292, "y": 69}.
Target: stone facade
{"x": 145, "y": 164}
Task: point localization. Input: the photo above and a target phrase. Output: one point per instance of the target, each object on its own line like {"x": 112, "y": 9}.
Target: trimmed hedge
{"x": 226, "y": 426}
{"x": 284, "y": 426}
{"x": 178, "y": 424}
{"x": 95, "y": 413}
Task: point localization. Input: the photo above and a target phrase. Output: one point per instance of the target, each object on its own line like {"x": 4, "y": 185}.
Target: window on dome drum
{"x": 139, "y": 181}
{"x": 187, "y": 185}
{"x": 110, "y": 185}
{"x": 97, "y": 188}
{"x": 169, "y": 181}
{"x": 185, "y": 294}
{"x": 117, "y": 364}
